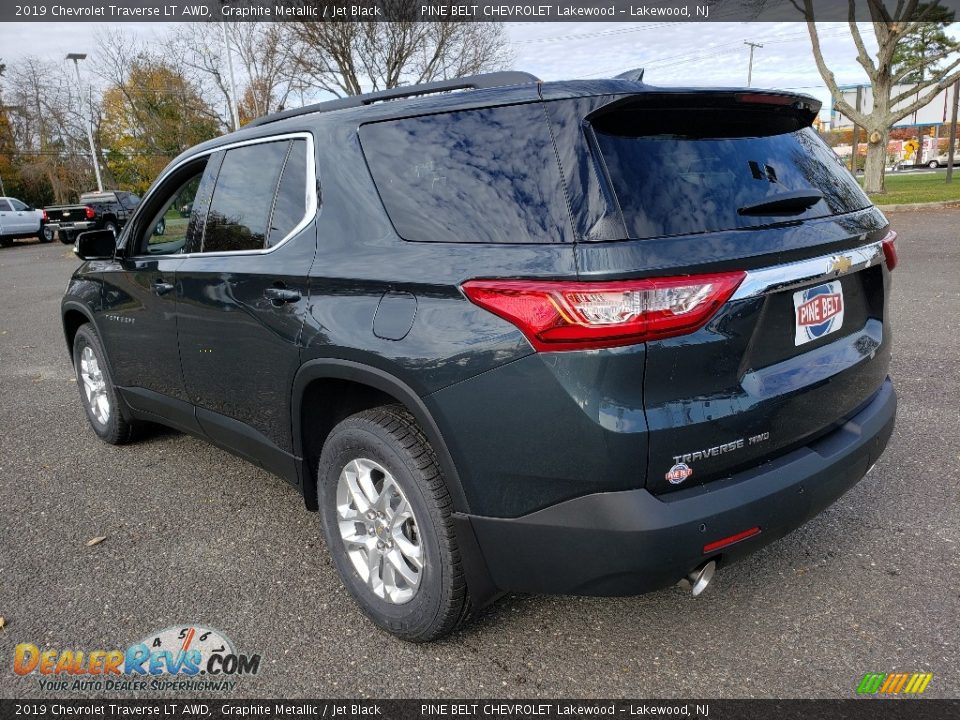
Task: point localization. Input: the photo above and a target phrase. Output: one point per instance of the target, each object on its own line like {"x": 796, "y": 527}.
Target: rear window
{"x": 478, "y": 176}
{"x": 677, "y": 172}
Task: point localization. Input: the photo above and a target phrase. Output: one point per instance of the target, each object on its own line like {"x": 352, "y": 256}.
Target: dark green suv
{"x": 587, "y": 337}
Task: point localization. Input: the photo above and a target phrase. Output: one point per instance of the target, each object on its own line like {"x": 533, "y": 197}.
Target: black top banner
{"x": 468, "y": 10}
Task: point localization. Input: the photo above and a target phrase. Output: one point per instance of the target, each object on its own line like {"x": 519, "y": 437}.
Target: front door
{"x": 23, "y": 218}
{"x": 138, "y": 322}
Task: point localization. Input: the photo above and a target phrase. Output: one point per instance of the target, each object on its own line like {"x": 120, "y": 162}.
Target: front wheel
{"x": 933, "y": 165}
{"x": 97, "y": 393}
{"x": 387, "y": 521}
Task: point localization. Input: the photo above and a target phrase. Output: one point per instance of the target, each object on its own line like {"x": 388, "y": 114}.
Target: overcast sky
{"x": 672, "y": 53}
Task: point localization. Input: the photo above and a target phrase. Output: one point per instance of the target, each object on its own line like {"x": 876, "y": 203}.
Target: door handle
{"x": 279, "y": 296}
{"x": 162, "y": 288}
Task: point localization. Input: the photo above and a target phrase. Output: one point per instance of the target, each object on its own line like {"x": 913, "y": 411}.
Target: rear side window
{"x": 678, "y": 171}
{"x": 243, "y": 197}
{"x": 291, "y": 203}
{"x": 475, "y": 176}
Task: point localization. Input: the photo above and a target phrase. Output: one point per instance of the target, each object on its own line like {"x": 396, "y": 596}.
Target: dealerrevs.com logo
{"x": 189, "y": 658}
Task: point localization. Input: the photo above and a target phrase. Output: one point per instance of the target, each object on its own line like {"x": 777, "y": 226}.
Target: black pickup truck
{"x": 107, "y": 210}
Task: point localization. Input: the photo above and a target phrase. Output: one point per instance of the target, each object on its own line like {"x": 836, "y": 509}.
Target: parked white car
{"x": 19, "y": 220}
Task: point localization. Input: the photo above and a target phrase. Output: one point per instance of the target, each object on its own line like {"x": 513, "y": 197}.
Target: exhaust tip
{"x": 697, "y": 581}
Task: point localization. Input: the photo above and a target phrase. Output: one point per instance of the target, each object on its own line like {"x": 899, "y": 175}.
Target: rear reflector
{"x": 560, "y": 315}
{"x": 89, "y": 212}
{"x": 890, "y": 249}
{"x": 728, "y": 541}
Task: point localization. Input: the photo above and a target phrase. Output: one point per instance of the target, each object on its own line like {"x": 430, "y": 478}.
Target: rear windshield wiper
{"x": 788, "y": 203}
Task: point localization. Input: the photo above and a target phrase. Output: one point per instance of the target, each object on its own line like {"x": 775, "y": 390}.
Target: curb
{"x": 920, "y": 206}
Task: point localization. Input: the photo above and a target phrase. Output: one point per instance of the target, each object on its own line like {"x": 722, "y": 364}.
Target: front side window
{"x": 17, "y": 205}
{"x": 4, "y": 205}
{"x": 243, "y": 198}
{"x": 171, "y": 228}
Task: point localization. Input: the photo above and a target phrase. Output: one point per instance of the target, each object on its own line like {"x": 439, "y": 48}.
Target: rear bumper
{"x": 70, "y": 226}
{"x": 631, "y": 542}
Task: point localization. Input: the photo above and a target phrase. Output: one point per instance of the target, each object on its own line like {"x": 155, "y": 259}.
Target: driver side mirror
{"x": 96, "y": 245}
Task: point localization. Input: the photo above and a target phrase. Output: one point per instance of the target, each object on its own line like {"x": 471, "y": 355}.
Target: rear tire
{"x": 6, "y": 241}
{"x": 46, "y": 235}
{"x": 99, "y": 397}
{"x": 933, "y": 165}
{"x": 387, "y": 518}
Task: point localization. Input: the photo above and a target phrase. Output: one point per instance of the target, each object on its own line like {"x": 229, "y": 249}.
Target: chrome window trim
{"x": 310, "y": 190}
{"x": 803, "y": 272}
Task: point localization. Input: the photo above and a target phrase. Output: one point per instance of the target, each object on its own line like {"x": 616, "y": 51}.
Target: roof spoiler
{"x": 472, "y": 82}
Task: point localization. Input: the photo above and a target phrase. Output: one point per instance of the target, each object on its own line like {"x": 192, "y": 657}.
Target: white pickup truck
{"x": 19, "y": 220}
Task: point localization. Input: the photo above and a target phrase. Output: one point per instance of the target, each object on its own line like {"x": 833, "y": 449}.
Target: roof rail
{"x": 473, "y": 82}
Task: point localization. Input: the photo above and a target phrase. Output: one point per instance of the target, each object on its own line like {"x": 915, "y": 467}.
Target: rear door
{"x": 710, "y": 182}
{"x": 7, "y": 221}
{"x": 242, "y": 295}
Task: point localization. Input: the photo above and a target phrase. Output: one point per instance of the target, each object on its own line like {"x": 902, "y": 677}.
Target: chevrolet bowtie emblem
{"x": 839, "y": 264}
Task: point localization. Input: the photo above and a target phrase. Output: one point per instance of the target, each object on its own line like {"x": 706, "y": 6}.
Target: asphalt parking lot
{"x": 194, "y": 535}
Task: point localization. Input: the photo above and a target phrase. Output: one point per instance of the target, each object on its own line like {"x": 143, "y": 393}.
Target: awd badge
{"x": 678, "y": 473}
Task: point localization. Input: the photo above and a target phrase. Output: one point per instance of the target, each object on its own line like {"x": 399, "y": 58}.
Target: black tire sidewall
{"x": 354, "y": 439}
{"x": 109, "y": 431}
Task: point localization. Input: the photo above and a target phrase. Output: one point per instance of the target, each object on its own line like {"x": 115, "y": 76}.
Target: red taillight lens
{"x": 44, "y": 215}
{"x": 765, "y": 99}
{"x": 89, "y": 212}
{"x": 559, "y": 315}
{"x": 728, "y": 541}
{"x": 890, "y": 250}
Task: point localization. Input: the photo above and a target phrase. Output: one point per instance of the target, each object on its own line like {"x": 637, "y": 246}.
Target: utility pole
{"x": 233, "y": 83}
{"x": 951, "y": 153}
{"x": 750, "y": 66}
{"x": 76, "y": 57}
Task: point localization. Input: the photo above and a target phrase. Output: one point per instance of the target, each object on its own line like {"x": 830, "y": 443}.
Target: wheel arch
{"x": 372, "y": 383}
{"x": 74, "y": 314}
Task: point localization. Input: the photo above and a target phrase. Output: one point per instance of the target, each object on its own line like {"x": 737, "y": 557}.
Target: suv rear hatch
{"x": 739, "y": 181}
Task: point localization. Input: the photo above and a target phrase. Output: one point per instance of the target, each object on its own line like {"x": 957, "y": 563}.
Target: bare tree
{"x": 47, "y": 129}
{"x": 889, "y": 104}
{"x": 266, "y": 69}
{"x": 348, "y": 58}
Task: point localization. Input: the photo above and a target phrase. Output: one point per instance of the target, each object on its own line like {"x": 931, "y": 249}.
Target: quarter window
{"x": 243, "y": 198}
{"x": 291, "y": 203}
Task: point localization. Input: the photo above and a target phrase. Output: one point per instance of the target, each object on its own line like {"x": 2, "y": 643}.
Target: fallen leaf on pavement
{"x": 96, "y": 541}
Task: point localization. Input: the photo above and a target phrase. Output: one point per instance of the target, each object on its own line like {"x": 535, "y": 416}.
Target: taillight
{"x": 560, "y": 315}
{"x": 43, "y": 215}
{"x": 890, "y": 249}
{"x": 90, "y": 213}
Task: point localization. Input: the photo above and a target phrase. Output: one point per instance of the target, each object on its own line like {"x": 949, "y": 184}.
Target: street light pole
{"x": 233, "y": 83}
{"x": 951, "y": 152}
{"x": 76, "y": 57}
{"x": 750, "y": 66}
